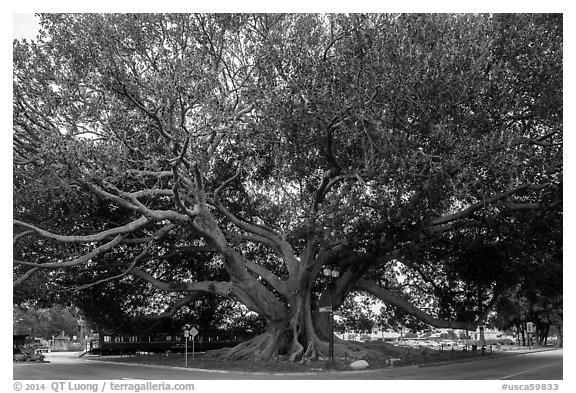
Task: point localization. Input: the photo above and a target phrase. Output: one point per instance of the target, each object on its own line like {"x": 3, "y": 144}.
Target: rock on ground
{"x": 359, "y": 365}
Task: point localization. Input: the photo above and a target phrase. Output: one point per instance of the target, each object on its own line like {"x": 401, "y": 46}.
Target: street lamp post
{"x": 331, "y": 276}
{"x": 186, "y": 335}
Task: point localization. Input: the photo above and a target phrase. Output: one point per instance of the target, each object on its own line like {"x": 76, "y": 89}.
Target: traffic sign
{"x": 193, "y": 332}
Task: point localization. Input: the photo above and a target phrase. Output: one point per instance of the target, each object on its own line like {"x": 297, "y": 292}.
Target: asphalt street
{"x": 543, "y": 365}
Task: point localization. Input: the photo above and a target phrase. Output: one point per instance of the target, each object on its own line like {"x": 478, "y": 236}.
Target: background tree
{"x": 237, "y": 155}
{"x": 396, "y": 318}
{"x": 356, "y": 314}
{"x": 45, "y": 322}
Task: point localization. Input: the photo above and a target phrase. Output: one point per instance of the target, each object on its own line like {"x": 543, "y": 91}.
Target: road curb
{"x": 327, "y": 372}
{"x": 472, "y": 359}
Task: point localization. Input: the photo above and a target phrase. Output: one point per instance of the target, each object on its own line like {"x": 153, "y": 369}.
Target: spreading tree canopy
{"x": 237, "y": 156}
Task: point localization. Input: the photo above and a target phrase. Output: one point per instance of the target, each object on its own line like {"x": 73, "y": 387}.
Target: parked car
{"x": 28, "y": 353}
{"x": 431, "y": 344}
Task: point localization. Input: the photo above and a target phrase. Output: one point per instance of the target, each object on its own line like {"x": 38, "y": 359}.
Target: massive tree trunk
{"x": 292, "y": 337}
{"x": 302, "y": 334}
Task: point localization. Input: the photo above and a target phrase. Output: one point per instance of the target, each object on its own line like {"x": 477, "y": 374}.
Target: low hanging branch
{"x": 173, "y": 309}
{"x": 393, "y": 299}
{"x": 220, "y": 288}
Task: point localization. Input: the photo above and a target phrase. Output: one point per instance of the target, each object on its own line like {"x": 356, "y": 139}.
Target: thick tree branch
{"x": 142, "y": 107}
{"x": 130, "y": 227}
{"x": 521, "y": 206}
{"x": 329, "y": 180}
{"x": 392, "y": 298}
{"x": 487, "y": 201}
{"x": 224, "y": 289}
{"x": 20, "y": 236}
{"x": 124, "y": 273}
{"x": 419, "y": 270}
{"x": 84, "y": 258}
{"x": 450, "y": 226}
{"x": 548, "y": 135}
{"x": 189, "y": 250}
{"x": 259, "y": 230}
{"x": 173, "y": 309}
{"x": 199, "y": 182}
{"x": 213, "y": 287}
{"x": 155, "y": 236}
{"x": 137, "y": 206}
{"x": 255, "y": 239}
{"x": 279, "y": 285}
{"x": 158, "y": 174}
{"x": 25, "y": 276}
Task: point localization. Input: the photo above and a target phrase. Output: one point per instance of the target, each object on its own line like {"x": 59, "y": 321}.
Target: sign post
{"x": 193, "y": 333}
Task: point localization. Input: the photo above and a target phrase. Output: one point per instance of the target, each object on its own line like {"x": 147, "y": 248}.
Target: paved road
{"x": 546, "y": 365}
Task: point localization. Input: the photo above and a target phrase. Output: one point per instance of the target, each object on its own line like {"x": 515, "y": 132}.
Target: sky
{"x": 25, "y": 26}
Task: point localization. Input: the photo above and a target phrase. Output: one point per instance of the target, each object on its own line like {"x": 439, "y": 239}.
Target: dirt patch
{"x": 201, "y": 361}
